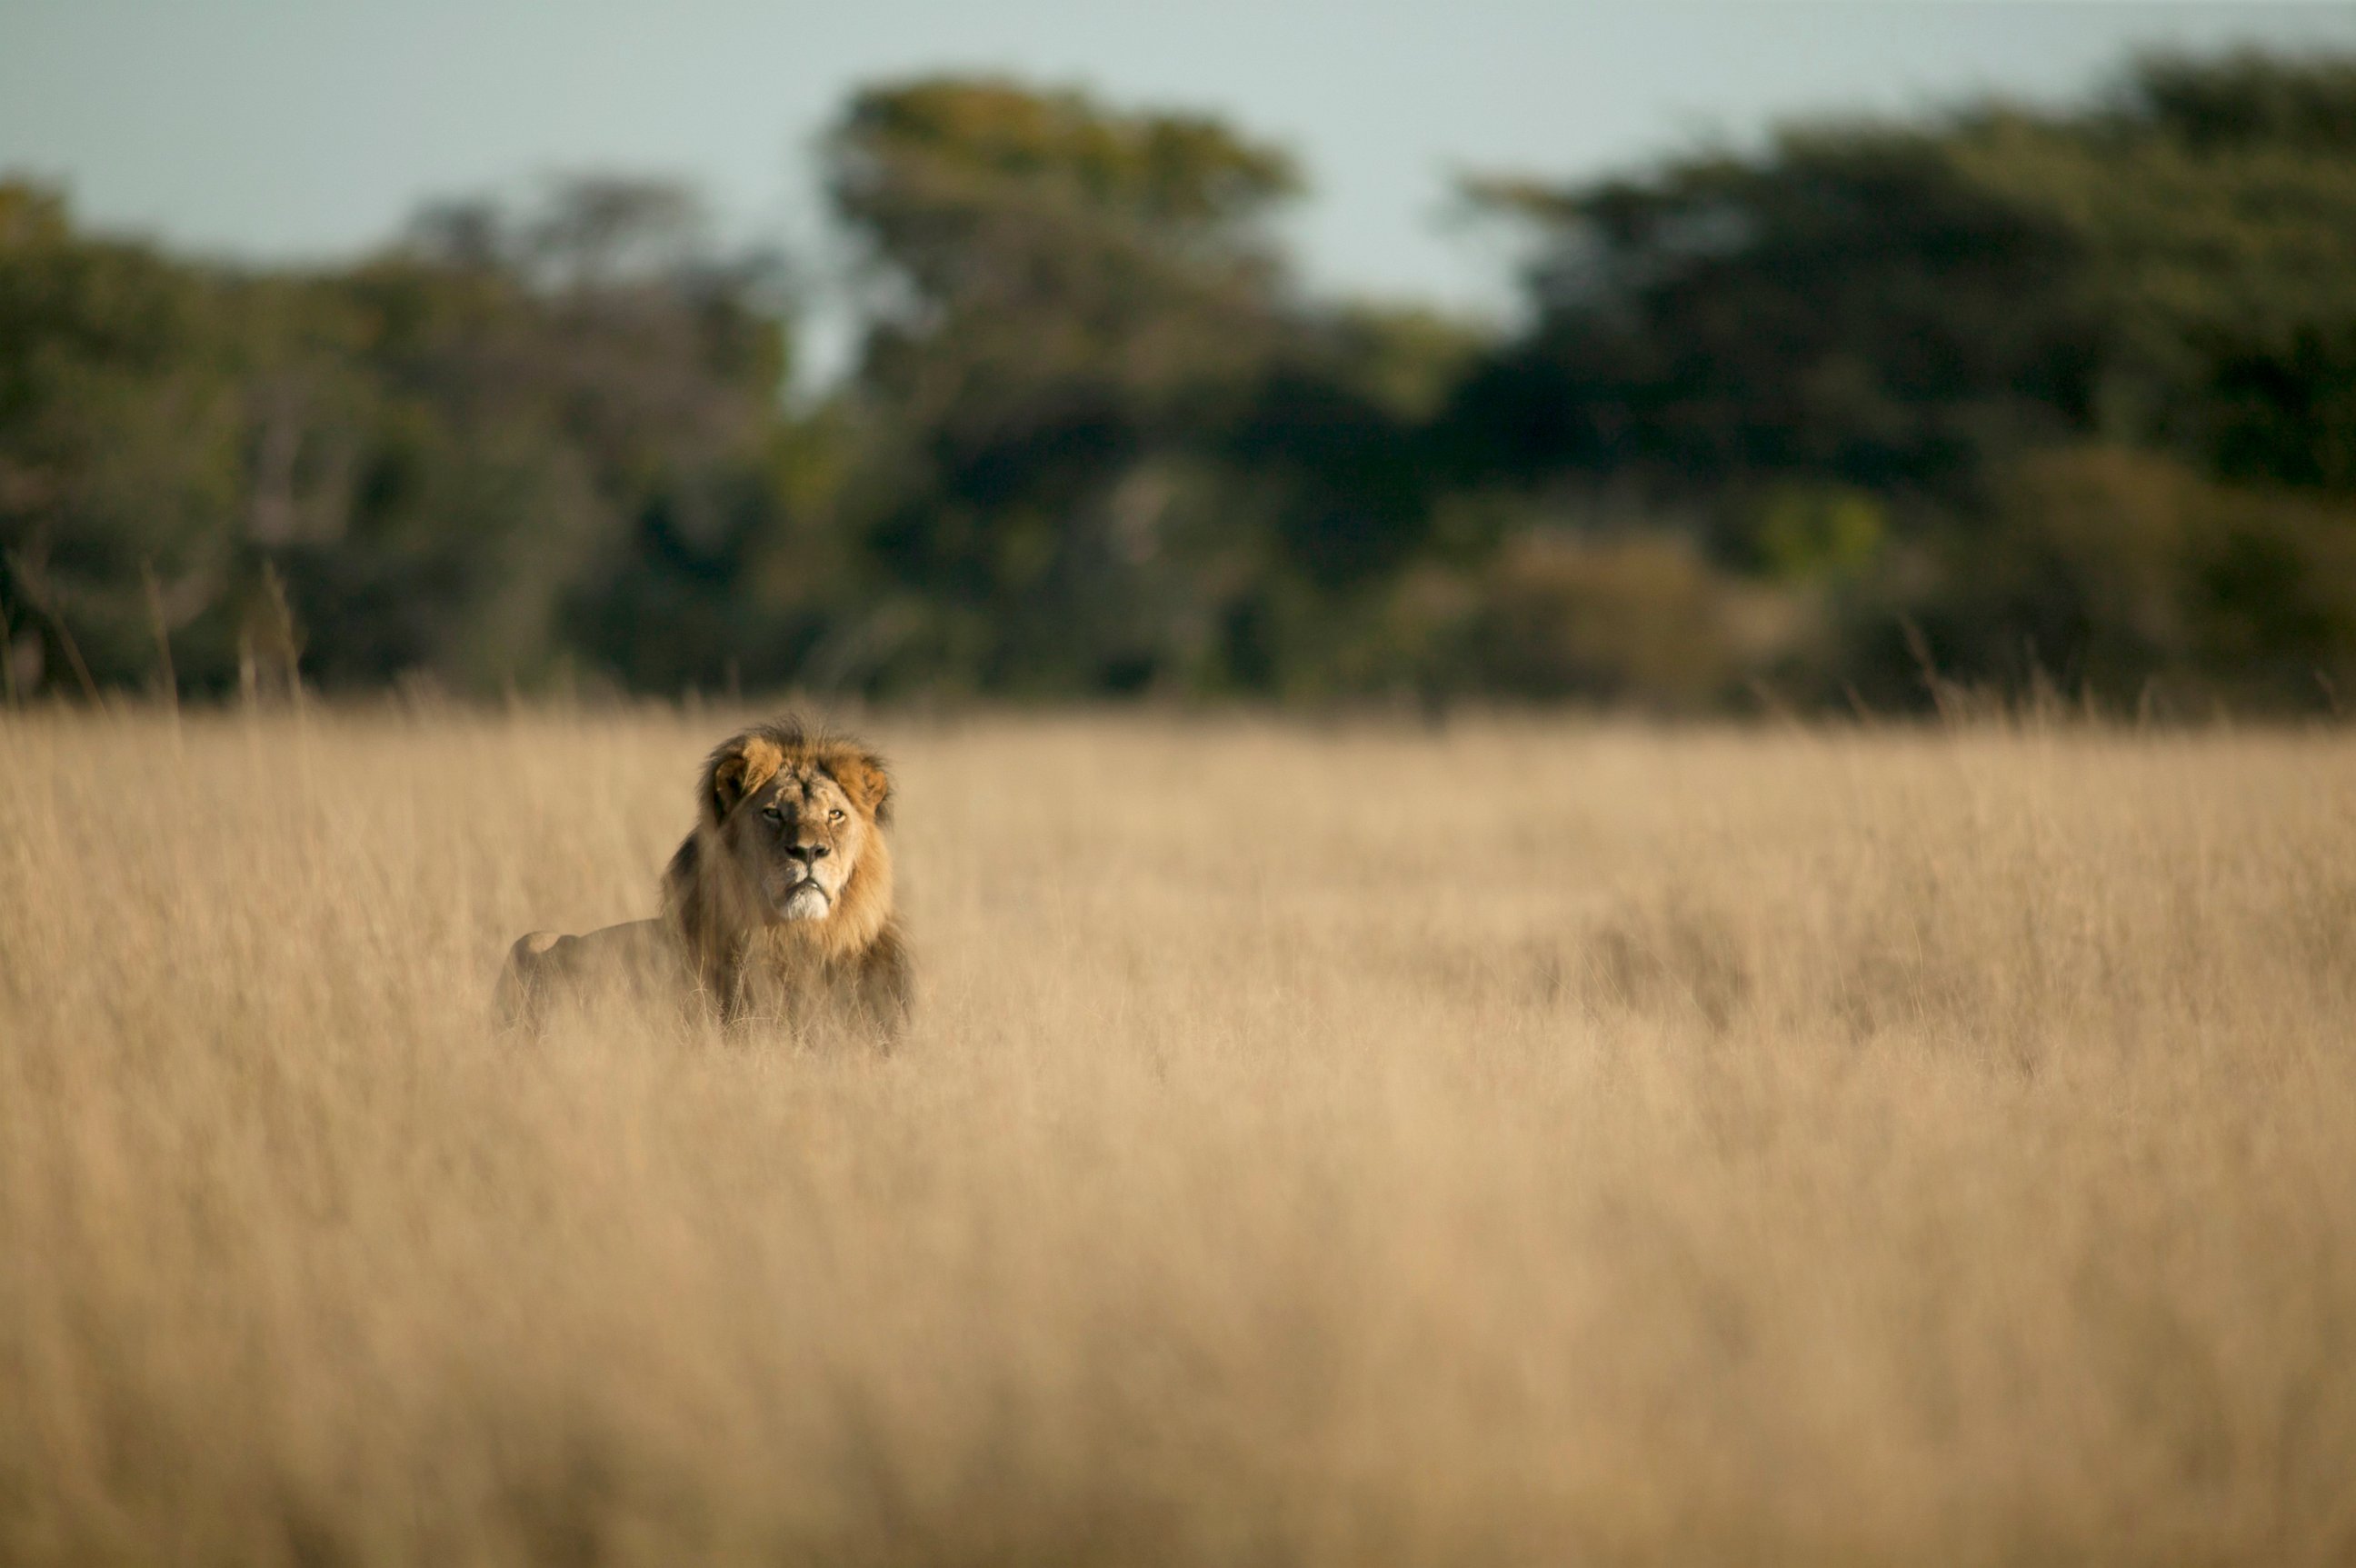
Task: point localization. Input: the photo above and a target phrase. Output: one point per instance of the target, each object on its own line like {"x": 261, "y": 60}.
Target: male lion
{"x": 777, "y": 906}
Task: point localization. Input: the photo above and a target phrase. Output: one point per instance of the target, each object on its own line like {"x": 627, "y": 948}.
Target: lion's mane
{"x": 855, "y": 960}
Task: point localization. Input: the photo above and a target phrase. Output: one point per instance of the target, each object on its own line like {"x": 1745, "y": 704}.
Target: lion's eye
{"x": 835, "y": 815}
{"x": 774, "y": 814}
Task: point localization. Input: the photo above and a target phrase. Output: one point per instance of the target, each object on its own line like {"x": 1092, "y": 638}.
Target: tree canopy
{"x": 2060, "y": 396}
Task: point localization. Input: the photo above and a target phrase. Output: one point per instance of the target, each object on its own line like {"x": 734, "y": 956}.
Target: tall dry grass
{"x": 1529, "y": 1144}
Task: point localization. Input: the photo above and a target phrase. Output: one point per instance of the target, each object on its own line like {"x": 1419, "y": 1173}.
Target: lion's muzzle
{"x": 806, "y": 894}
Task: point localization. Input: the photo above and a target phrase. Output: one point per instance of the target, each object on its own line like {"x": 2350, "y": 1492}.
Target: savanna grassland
{"x": 1524, "y": 1143}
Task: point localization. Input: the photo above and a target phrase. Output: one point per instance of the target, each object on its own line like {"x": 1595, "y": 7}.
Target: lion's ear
{"x": 736, "y": 769}
{"x": 866, "y": 780}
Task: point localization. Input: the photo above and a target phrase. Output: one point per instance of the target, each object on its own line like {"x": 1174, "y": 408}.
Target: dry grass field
{"x": 1535, "y": 1144}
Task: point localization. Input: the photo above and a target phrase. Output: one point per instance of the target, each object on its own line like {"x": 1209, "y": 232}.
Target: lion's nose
{"x": 805, "y": 853}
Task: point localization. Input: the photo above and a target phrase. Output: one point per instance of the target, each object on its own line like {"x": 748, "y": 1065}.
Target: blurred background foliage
{"x": 2055, "y": 399}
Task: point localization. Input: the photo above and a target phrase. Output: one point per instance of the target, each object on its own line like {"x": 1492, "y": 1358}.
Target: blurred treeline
{"x": 2018, "y": 397}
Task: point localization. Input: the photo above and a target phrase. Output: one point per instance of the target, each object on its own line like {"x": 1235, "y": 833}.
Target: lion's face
{"x": 797, "y": 839}
{"x": 796, "y": 825}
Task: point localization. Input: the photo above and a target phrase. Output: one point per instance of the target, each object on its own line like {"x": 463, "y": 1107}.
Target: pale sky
{"x": 308, "y": 129}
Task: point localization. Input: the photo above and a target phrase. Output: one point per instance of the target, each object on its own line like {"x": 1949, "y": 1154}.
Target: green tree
{"x": 120, "y": 446}
{"x": 519, "y": 441}
{"x": 1068, "y": 304}
{"x": 1911, "y": 317}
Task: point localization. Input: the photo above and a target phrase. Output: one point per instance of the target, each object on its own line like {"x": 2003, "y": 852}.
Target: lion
{"x": 777, "y": 908}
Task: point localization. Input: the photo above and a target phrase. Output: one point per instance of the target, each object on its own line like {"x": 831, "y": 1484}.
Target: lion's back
{"x": 545, "y": 968}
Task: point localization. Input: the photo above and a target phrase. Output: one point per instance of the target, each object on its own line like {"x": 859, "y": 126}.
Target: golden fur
{"x": 777, "y": 908}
